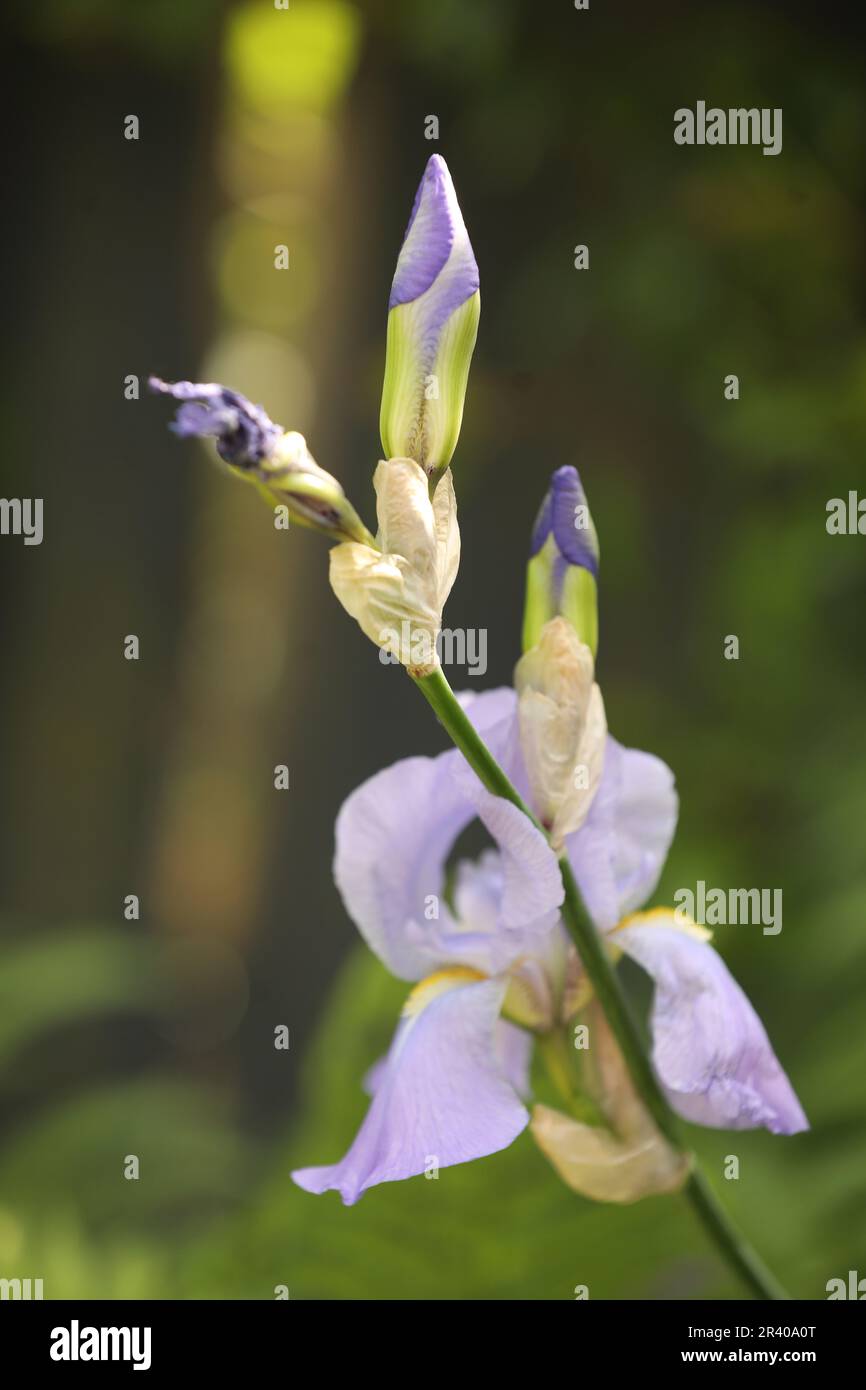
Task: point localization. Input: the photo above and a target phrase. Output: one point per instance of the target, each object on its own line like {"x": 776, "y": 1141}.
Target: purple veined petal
{"x": 710, "y": 1048}
{"x": 589, "y": 853}
{"x": 496, "y": 924}
{"x": 532, "y": 887}
{"x": 244, "y": 432}
{"x": 443, "y": 1097}
{"x": 532, "y": 881}
{"x": 436, "y": 247}
{"x": 619, "y": 852}
{"x": 394, "y": 834}
{"x": 513, "y": 1048}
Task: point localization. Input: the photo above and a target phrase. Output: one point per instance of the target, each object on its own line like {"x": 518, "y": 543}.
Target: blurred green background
{"x": 305, "y": 127}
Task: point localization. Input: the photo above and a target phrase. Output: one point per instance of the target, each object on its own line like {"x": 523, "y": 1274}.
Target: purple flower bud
{"x": 565, "y": 515}
{"x": 432, "y": 322}
{"x": 563, "y": 567}
{"x": 436, "y": 229}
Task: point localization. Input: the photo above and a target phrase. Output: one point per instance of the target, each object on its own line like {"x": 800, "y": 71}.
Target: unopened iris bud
{"x": 277, "y": 462}
{"x": 432, "y": 325}
{"x": 561, "y": 577}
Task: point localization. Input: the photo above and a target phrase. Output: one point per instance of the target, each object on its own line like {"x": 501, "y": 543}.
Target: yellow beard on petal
{"x": 438, "y": 983}
{"x": 666, "y": 917}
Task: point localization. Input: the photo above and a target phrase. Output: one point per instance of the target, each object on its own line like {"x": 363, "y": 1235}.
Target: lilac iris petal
{"x": 245, "y": 434}
{"x": 487, "y": 932}
{"x": 374, "y": 1075}
{"x": 619, "y": 852}
{"x": 513, "y": 1048}
{"x": 710, "y": 1048}
{"x": 442, "y": 1096}
{"x": 532, "y": 882}
{"x": 436, "y": 229}
{"x": 393, "y": 836}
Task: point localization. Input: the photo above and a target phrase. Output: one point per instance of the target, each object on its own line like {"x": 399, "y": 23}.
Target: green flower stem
{"x": 602, "y": 974}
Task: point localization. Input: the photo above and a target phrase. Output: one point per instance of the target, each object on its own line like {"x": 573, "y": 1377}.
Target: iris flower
{"x": 483, "y": 942}
{"x": 492, "y": 965}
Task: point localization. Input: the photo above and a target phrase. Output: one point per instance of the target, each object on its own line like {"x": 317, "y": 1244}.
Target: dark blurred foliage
{"x": 155, "y": 1037}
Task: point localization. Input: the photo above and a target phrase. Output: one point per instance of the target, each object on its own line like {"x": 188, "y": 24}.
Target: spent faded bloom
{"x": 275, "y": 461}
{"x": 562, "y": 574}
{"x": 432, "y": 325}
{"x": 396, "y": 587}
{"x": 493, "y": 964}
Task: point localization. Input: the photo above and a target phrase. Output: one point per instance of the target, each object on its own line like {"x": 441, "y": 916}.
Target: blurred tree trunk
{"x": 104, "y": 276}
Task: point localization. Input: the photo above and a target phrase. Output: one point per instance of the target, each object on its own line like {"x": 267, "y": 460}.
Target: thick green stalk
{"x": 605, "y": 982}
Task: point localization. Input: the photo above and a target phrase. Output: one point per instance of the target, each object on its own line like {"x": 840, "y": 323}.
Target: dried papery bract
{"x": 396, "y": 590}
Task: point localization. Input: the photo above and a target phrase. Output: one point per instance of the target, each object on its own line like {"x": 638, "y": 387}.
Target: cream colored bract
{"x": 396, "y": 593}
{"x": 562, "y": 727}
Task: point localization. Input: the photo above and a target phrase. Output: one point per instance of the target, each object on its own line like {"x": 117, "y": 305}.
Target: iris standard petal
{"x": 709, "y": 1046}
{"x": 532, "y": 882}
{"x": 393, "y": 835}
{"x": 442, "y": 1098}
{"x": 533, "y": 888}
{"x": 619, "y": 852}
